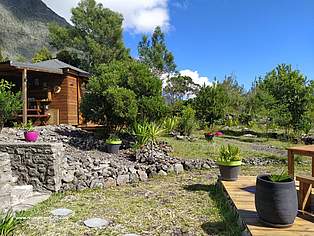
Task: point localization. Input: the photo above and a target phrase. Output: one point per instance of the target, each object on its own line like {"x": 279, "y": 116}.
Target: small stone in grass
{"x": 61, "y": 212}
{"x": 96, "y": 223}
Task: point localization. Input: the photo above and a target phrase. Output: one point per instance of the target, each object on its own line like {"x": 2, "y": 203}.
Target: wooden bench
{"x": 305, "y": 191}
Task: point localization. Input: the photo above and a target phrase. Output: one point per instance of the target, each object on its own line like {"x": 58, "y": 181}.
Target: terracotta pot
{"x": 31, "y": 136}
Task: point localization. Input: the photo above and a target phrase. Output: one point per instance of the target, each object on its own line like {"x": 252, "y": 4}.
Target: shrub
{"x": 113, "y": 108}
{"x": 10, "y": 103}
{"x": 187, "y": 121}
{"x": 170, "y": 124}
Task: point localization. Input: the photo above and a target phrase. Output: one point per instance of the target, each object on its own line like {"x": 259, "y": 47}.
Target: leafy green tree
{"x": 70, "y": 57}
{"x": 96, "y": 34}
{"x": 10, "y": 103}
{"x": 180, "y": 87}
{"x": 187, "y": 121}
{"x": 113, "y": 108}
{"x": 131, "y": 76}
{"x": 235, "y": 94}
{"x": 154, "y": 53}
{"x": 2, "y": 58}
{"x": 42, "y": 55}
{"x": 211, "y": 104}
{"x": 291, "y": 95}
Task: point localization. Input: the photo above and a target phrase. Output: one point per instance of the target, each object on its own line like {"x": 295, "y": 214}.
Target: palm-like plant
{"x": 8, "y": 223}
{"x": 170, "y": 124}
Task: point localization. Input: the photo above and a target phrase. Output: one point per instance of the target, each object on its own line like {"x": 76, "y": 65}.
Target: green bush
{"x": 113, "y": 108}
{"x": 10, "y": 103}
{"x": 187, "y": 121}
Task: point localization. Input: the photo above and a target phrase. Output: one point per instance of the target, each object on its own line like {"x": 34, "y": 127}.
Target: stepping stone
{"x": 96, "y": 223}
{"x": 61, "y": 212}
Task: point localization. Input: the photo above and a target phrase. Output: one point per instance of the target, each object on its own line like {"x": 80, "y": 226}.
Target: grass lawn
{"x": 185, "y": 203}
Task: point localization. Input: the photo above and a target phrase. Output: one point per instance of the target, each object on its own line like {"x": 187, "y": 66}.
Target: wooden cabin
{"x": 51, "y": 90}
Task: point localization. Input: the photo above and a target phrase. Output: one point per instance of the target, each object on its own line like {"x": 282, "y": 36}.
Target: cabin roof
{"x": 53, "y": 66}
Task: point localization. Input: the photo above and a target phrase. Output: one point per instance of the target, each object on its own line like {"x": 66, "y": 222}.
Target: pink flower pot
{"x": 31, "y": 136}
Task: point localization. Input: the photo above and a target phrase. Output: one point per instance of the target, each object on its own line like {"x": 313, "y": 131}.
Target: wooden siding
{"x": 66, "y": 101}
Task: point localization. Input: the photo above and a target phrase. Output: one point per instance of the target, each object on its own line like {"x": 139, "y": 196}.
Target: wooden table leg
{"x": 290, "y": 163}
{"x": 312, "y": 166}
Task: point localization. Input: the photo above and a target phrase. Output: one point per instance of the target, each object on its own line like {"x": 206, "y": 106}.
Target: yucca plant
{"x": 141, "y": 131}
{"x": 8, "y": 223}
{"x": 282, "y": 177}
{"x": 229, "y": 154}
{"x": 170, "y": 124}
{"x": 154, "y": 131}
{"x": 147, "y": 132}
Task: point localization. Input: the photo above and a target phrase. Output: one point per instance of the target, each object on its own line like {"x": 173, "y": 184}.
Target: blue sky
{"x": 244, "y": 37}
{"x": 212, "y": 38}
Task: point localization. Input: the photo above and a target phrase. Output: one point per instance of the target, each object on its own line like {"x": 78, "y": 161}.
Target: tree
{"x": 211, "y": 103}
{"x": 154, "y": 53}
{"x": 291, "y": 96}
{"x": 70, "y": 57}
{"x": 42, "y": 55}
{"x": 113, "y": 108}
{"x": 10, "y": 103}
{"x": 2, "y": 58}
{"x": 131, "y": 78}
{"x": 235, "y": 94}
{"x": 180, "y": 87}
{"x": 96, "y": 34}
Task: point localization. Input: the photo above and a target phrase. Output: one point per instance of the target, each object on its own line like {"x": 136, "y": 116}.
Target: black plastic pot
{"x": 229, "y": 172}
{"x": 113, "y": 148}
{"x": 276, "y": 202}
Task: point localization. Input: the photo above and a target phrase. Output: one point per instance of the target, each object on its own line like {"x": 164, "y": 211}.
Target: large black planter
{"x": 113, "y": 148}
{"x": 276, "y": 202}
{"x": 229, "y": 172}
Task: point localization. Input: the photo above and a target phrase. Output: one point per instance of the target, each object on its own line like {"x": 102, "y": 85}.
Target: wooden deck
{"x": 241, "y": 193}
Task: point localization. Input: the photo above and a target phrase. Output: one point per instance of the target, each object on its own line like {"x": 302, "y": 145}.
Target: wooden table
{"x": 307, "y": 150}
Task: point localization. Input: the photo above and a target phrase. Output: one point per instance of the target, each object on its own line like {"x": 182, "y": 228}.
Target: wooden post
{"x": 291, "y": 163}
{"x": 24, "y": 95}
{"x": 312, "y": 166}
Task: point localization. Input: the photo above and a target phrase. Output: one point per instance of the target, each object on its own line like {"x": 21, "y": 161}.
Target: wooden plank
{"x": 24, "y": 95}
{"x": 243, "y": 198}
{"x": 290, "y": 163}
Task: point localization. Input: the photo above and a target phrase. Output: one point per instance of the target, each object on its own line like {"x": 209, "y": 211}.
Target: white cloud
{"x": 140, "y": 16}
{"x": 201, "y": 80}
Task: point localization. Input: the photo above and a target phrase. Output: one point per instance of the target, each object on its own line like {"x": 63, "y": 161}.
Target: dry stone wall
{"x": 36, "y": 164}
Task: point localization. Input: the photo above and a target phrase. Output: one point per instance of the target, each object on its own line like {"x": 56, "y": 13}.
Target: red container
{"x": 31, "y": 136}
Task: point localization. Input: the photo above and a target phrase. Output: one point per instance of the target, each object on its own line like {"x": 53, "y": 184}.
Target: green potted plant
{"x": 113, "y": 144}
{"x": 229, "y": 162}
{"x": 276, "y": 200}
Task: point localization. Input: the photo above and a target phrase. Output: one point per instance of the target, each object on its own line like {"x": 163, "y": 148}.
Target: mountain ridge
{"x": 24, "y": 27}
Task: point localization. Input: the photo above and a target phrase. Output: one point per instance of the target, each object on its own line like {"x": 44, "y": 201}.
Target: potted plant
{"x": 276, "y": 199}
{"x": 30, "y": 134}
{"x": 209, "y": 136}
{"x": 113, "y": 144}
{"x": 229, "y": 162}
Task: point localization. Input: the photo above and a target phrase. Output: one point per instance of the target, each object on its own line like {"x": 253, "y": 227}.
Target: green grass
{"x": 188, "y": 203}
{"x": 202, "y": 149}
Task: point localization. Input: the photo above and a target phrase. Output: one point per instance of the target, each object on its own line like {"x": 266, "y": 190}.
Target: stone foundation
{"x": 36, "y": 164}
